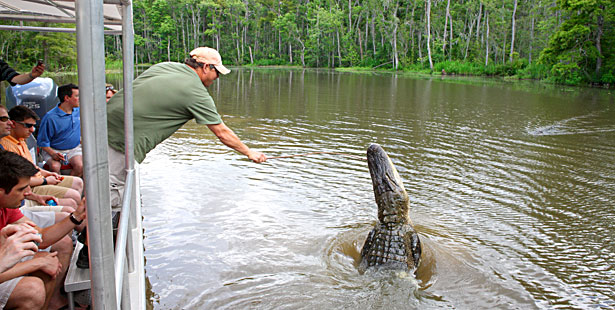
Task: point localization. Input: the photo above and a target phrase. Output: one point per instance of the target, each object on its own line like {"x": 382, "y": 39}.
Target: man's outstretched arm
{"x": 230, "y": 139}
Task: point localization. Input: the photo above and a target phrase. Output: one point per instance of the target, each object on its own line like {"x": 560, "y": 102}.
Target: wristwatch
{"x": 74, "y": 220}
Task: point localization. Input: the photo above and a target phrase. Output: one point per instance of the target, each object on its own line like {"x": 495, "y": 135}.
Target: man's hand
{"x": 80, "y": 214}
{"x": 257, "y": 157}
{"x": 16, "y": 242}
{"x": 47, "y": 173}
{"x": 40, "y": 199}
{"x": 48, "y": 263}
{"x": 37, "y": 71}
{"x": 52, "y": 180}
{"x": 26, "y": 78}
{"x": 57, "y": 156}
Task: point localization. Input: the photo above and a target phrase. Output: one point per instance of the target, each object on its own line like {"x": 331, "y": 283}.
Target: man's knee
{"x": 28, "y": 294}
{"x": 54, "y": 165}
{"x": 73, "y": 194}
{"x": 77, "y": 168}
{"x": 69, "y": 203}
{"x": 64, "y": 247}
{"x": 78, "y": 184}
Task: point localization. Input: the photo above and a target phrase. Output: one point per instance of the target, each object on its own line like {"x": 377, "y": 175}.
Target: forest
{"x": 559, "y": 41}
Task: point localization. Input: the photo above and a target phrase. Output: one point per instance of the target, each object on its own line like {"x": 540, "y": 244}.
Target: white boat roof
{"x": 56, "y": 11}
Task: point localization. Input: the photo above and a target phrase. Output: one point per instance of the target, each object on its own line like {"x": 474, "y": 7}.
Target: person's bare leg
{"x": 67, "y": 202}
{"x": 77, "y": 163}
{"x": 64, "y": 247}
{"x": 78, "y": 185}
{"x": 54, "y": 165}
{"x": 28, "y": 294}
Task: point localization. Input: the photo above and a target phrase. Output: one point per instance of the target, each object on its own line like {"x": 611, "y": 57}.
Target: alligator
{"x": 393, "y": 242}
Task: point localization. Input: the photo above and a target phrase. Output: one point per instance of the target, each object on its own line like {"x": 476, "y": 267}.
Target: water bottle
{"x": 51, "y": 202}
{"x": 35, "y": 242}
{"x": 65, "y": 161}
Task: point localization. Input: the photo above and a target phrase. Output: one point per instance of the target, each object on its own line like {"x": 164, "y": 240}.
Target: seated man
{"x": 34, "y": 201}
{"x": 16, "y": 242}
{"x": 65, "y": 188}
{"x": 59, "y": 135}
{"x": 109, "y": 91}
{"x": 33, "y": 283}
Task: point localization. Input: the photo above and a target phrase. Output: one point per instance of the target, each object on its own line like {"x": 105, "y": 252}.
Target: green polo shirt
{"x": 165, "y": 97}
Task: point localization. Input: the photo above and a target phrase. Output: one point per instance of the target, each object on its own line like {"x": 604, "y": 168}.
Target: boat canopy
{"x": 54, "y": 11}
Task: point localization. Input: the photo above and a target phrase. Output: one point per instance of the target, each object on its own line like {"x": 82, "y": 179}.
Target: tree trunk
{"x": 339, "y": 48}
{"x": 395, "y": 52}
{"x": 468, "y": 40}
{"x": 598, "y": 44}
{"x": 480, "y": 13}
{"x": 360, "y": 43}
{"x": 487, "y": 39}
{"x": 448, "y": 6}
{"x": 531, "y": 40}
{"x": 428, "y": 13}
{"x": 419, "y": 36}
{"x": 450, "y": 53}
{"x": 290, "y": 52}
{"x": 374, "y": 35}
{"x": 512, "y": 40}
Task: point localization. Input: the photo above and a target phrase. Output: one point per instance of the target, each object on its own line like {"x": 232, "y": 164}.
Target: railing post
{"x": 91, "y": 69}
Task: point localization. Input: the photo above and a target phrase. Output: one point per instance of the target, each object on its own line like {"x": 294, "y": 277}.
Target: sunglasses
{"x": 4, "y": 119}
{"x": 25, "y": 124}
{"x": 214, "y": 68}
{"x": 108, "y": 88}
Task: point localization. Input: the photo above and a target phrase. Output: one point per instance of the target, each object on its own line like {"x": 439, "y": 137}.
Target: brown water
{"x": 511, "y": 186}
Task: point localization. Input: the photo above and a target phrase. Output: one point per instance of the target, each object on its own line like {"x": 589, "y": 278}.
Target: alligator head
{"x": 393, "y": 241}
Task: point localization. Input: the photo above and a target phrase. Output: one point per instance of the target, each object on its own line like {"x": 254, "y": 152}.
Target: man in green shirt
{"x": 166, "y": 96}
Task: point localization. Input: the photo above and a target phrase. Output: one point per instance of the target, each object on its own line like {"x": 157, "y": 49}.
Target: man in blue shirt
{"x": 59, "y": 135}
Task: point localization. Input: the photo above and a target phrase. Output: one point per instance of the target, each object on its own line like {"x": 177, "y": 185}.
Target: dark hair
{"x": 193, "y": 63}
{"x": 12, "y": 168}
{"x": 20, "y": 113}
{"x": 66, "y": 90}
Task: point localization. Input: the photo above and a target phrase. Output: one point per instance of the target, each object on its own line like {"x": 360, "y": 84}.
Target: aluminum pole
{"x": 91, "y": 69}
{"x": 129, "y": 145}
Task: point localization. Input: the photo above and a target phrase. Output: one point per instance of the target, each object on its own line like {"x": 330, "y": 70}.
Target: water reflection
{"x": 511, "y": 192}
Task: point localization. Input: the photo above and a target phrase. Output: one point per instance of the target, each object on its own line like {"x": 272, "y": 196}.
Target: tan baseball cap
{"x": 209, "y": 56}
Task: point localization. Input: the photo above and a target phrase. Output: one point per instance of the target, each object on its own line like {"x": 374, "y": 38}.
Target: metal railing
{"x": 124, "y": 253}
{"x": 91, "y": 66}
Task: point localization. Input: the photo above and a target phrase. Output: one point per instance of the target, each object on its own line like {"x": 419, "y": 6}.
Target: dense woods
{"x": 564, "y": 41}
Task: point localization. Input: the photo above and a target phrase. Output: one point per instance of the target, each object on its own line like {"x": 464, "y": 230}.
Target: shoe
{"x": 115, "y": 221}
{"x": 83, "y": 235}
{"x": 83, "y": 260}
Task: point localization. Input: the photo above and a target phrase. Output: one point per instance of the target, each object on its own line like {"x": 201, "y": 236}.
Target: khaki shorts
{"x": 59, "y": 190}
{"x": 53, "y": 190}
{"x": 117, "y": 177}
{"x": 66, "y": 182}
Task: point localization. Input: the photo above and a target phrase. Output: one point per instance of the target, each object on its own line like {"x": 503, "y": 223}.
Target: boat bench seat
{"x": 77, "y": 279}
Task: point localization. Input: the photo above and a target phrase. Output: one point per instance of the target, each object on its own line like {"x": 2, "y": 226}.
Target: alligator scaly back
{"x": 393, "y": 241}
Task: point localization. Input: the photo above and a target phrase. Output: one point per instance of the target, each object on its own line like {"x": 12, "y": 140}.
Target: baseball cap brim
{"x": 222, "y": 69}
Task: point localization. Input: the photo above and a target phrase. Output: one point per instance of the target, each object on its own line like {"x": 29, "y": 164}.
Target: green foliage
{"x": 566, "y": 73}
{"x": 608, "y": 78}
{"x": 575, "y": 39}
